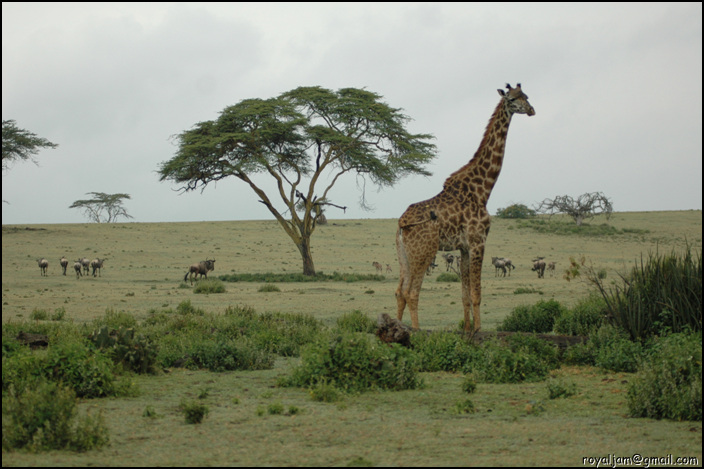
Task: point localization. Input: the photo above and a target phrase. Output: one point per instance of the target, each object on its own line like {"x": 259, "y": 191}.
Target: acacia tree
{"x": 20, "y": 144}
{"x": 584, "y": 207}
{"x": 305, "y": 139}
{"x": 103, "y": 208}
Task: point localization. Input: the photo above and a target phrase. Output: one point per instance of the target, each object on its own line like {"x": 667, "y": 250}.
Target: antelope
{"x": 97, "y": 264}
{"x": 539, "y": 266}
{"x": 377, "y": 266}
{"x": 498, "y": 263}
{"x": 78, "y": 266}
{"x": 43, "y": 264}
{"x": 64, "y": 263}
{"x": 202, "y": 268}
{"x": 388, "y": 269}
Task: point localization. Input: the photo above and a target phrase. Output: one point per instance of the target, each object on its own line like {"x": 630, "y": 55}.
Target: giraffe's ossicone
{"x": 457, "y": 218}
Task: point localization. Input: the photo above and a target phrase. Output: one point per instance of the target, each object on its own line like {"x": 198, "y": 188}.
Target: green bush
{"x": 521, "y": 358}
{"x": 515, "y": 211}
{"x": 88, "y": 372}
{"x": 240, "y": 354}
{"x": 660, "y": 295}
{"x": 115, "y": 320}
{"x": 669, "y": 381}
{"x": 538, "y": 318}
{"x": 193, "y": 411}
{"x": 356, "y": 321}
{"x": 133, "y": 353}
{"x": 584, "y": 318}
{"x": 268, "y": 288}
{"x": 442, "y": 351}
{"x": 447, "y": 277}
{"x": 355, "y": 362}
{"x": 43, "y": 417}
{"x": 323, "y": 391}
{"x": 613, "y": 350}
{"x": 209, "y": 286}
{"x": 561, "y": 388}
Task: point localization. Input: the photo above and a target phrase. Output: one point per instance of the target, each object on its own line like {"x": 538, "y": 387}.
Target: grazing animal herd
{"x": 84, "y": 265}
{"x": 502, "y": 266}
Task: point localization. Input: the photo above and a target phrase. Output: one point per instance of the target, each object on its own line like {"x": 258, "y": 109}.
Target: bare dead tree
{"x": 583, "y": 207}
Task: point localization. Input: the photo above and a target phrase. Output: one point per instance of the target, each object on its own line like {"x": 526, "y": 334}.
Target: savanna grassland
{"x": 514, "y": 424}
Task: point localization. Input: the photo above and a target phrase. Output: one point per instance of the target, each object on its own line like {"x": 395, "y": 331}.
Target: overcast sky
{"x": 617, "y": 90}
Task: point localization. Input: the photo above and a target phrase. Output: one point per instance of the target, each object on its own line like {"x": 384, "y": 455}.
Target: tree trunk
{"x": 304, "y": 249}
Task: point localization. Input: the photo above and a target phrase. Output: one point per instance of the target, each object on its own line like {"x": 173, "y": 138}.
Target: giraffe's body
{"x": 457, "y": 218}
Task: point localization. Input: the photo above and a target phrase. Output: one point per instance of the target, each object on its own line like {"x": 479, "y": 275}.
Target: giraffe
{"x": 457, "y": 218}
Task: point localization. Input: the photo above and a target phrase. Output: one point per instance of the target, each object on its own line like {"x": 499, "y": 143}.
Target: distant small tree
{"x": 515, "y": 211}
{"x": 584, "y": 207}
{"x": 20, "y": 144}
{"x": 103, "y": 208}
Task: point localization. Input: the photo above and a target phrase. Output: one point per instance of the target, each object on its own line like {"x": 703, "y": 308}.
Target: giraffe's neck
{"x": 482, "y": 171}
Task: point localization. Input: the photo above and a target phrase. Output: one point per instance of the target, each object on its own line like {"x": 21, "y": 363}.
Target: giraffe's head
{"x": 516, "y": 100}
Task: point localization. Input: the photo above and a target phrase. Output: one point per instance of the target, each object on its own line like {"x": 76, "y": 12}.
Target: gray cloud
{"x": 617, "y": 90}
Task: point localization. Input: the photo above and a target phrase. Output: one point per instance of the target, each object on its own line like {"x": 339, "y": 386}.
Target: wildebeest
{"x": 78, "y": 266}
{"x": 97, "y": 264}
{"x": 551, "y": 268}
{"x": 85, "y": 262}
{"x": 377, "y": 266}
{"x": 498, "y": 264}
{"x": 202, "y": 268}
{"x": 503, "y": 263}
{"x": 64, "y": 263}
{"x": 43, "y": 264}
{"x": 539, "y": 266}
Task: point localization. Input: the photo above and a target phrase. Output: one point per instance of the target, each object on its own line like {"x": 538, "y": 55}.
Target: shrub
{"x": 521, "y": 358}
{"x": 193, "y": 411}
{"x": 539, "y": 318}
{"x": 660, "y": 295}
{"x": 447, "y": 277}
{"x": 584, "y": 318}
{"x": 613, "y": 350}
{"x": 209, "y": 286}
{"x": 238, "y": 354}
{"x": 136, "y": 354}
{"x": 115, "y": 319}
{"x": 89, "y": 373}
{"x": 356, "y": 321}
{"x": 442, "y": 351}
{"x": 465, "y": 407}
{"x": 561, "y": 388}
{"x": 355, "y": 362}
{"x": 268, "y": 287}
{"x": 515, "y": 211}
{"x": 39, "y": 315}
{"x": 323, "y": 391}
{"x": 669, "y": 382}
{"x": 43, "y": 417}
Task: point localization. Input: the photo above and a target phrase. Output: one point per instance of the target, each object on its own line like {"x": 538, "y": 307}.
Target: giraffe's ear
{"x": 501, "y": 92}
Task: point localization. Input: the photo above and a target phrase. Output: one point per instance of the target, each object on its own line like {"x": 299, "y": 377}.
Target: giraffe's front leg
{"x": 466, "y": 287}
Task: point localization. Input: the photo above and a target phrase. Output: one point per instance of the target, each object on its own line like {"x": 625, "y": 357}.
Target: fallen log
{"x": 33, "y": 340}
{"x": 391, "y": 330}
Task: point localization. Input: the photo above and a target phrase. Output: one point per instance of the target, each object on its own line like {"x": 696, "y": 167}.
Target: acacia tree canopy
{"x": 305, "y": 139}
{"x": 20, "y": 144}
{"x": 103, "y": 208}
{"x": 584, "y": 207}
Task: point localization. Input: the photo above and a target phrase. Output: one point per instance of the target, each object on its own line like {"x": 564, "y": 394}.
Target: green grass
{"x": 511, "y": 424}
